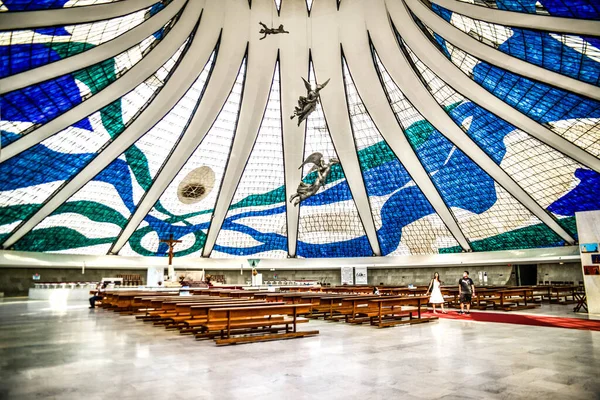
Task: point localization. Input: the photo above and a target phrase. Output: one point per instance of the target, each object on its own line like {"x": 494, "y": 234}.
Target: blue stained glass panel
{"x": 41, "y": 103}
{"x": 564, "y": 54}
{"x": 567, "y": 114}
{"x": 406, "y": 222}
{"x": 30, "y": 5}
{"x": 489, "y": 216}
{"x": 586, "y": 9}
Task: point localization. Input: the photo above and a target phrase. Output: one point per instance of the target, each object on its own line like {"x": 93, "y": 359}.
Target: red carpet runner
{"x": 520, "y": 319}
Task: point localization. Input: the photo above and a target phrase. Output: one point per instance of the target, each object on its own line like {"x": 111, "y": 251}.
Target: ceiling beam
{"x": 327, "y": 63}
{"x": 293, "y": 66}
{"x": 260, "y": 66}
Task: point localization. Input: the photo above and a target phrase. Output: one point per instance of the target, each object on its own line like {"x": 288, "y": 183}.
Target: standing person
{"x": 436, "y": 292}
{"x": 466, "y": 291}
{"x": 376, "y": 291}
{"x": 100, "y": 288}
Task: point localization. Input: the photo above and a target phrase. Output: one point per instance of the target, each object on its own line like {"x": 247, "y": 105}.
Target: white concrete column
{"x": 588, "y": 229}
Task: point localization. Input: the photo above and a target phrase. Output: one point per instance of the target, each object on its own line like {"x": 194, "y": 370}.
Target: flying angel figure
{"x": 306, "y": 190}
{"x": 271, "y": 31}
{"x": 306, "y": 105}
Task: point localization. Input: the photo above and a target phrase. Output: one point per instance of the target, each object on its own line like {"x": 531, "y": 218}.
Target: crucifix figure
{"x": 171, "y": 243}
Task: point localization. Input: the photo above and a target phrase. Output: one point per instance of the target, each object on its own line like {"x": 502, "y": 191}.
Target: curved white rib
{"x": 175, "y": 88}
{"x": 217, "y": 90}
{"x": 522, "y": 20}
{"x": 403, "y": 74}
{"x": 136, "y": 75}
{"x": 356, "y": 49}
{"x": 92, "y": 56}
{"x": 262, "y": 57}
{"x": 327, "y": 63}
{"x": 498, "y": 58}
{"x": 66, "y": 16}
{"x": 453, "y": 76}
{"x": 293, "y": 65}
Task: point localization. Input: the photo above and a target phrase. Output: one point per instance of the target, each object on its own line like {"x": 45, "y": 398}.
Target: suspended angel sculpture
{"x": 308, "y": 104}
{"x": 306, "y": 190}
{"x": 271, "y": 31}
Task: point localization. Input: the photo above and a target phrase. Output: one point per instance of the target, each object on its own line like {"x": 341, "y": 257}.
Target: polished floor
{"x": 65, "y": 351}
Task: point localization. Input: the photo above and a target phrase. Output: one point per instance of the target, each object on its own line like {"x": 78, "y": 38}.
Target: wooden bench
{"x": 230, "y": 322}
{"x": 385, "y": 312}
{"x": 510, "y": 299}
{"x": 167, "y": 309}
{"x": 559, "y": 292}
{"x": 158, "y": 307}
{"x": 350, "y": 306}
{"x": 122, "y": 301}
{"x": 179, "y": 315}
{"x": 198, "y": 313}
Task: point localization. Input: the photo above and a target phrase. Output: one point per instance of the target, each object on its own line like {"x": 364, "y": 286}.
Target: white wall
{"x": 11, "y": 259}
{"x": 588, "y": 228}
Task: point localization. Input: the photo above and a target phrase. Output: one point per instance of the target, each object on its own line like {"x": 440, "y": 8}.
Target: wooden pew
{"x": 385, "y": 312}
{"x": 122, "y": 300}
{"x": 162, "y": 308}
{"x": 349, "y": 289}
{"x": 233, "y": 321}
{"x": 177, "y": 317}
{"x": 167, "y": 309}
{"x": 510, "y": 299}
{"x": 325, "y": 305}
{"x": 198, "y": 313}
{"x": 560, "y": 291}
{"x": 350, "y": 306}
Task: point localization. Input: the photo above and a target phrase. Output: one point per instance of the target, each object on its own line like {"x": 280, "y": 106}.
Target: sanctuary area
{"x": 299, "y": 199}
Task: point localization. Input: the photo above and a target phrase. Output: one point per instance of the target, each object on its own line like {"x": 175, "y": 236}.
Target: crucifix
{"x": 171, "y": 243}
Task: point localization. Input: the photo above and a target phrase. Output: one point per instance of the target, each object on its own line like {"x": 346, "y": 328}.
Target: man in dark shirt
{"x": 466, "y": 291}
{"x": 100, "y": 289}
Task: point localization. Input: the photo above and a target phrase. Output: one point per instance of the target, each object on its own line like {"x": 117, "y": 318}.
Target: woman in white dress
{"x": 436, "y": 293}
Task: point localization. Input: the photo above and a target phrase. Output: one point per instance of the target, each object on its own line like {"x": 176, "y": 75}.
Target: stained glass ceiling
{"x": 433, "y": 145}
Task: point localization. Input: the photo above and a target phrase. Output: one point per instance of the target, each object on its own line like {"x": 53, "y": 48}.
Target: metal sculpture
{"x": 323, "y": 170}
{"x": 306, "y": 105}
{"x": 271, "y": 31}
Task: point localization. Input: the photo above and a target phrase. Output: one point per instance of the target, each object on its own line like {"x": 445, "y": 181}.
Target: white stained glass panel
{"x": 258, "y": 192}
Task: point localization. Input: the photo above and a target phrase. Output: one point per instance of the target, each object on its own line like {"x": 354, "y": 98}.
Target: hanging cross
{"x": 171, "y": 243}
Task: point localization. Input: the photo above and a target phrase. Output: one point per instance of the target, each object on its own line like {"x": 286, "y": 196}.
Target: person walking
{"x": 466, "y": 291}
{"x": 436, "y": 293}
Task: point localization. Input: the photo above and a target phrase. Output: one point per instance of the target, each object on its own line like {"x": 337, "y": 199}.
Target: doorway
{"x": 526, "y": 274}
